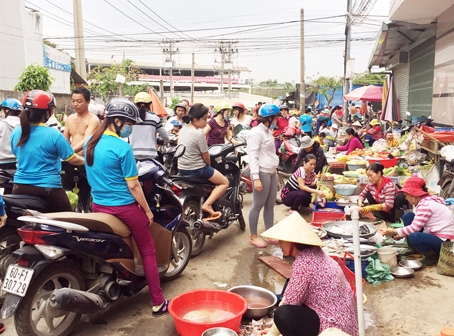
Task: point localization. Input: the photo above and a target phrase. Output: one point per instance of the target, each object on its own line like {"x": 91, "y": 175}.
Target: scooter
{"x": 74, "y": 264}
{"x": 289, "y": 150}
{"x": 194, "y": 191}
{"x": 167, "y": 153}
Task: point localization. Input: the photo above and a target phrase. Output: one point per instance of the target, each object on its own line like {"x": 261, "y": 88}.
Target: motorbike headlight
{"x": 51, "y": 252}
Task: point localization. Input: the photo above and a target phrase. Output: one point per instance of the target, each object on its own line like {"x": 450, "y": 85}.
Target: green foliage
{"x": 367, "y": 78}
{"x": 132, "y": 90}
{"x": 271, "y": 88}
{"x": 175, "y": 100}
{"x": 326, "y": 86}
{"x": 34, "y": 77}
{"x": 102, "y": 79}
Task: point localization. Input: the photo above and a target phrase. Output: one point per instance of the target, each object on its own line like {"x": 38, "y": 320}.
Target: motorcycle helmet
{"x": 179, "y": 105}
{"x": 239, "y": 106}
{"x": 269, "y": 110}
{"x": 120, "y": 107}
{"x": 142, "y": 97}
{"x": 221, "y": 107}
{"x": 12, "y": 104}
{"x": 176, "y": 123}
{"x": 284, "y": 107}
{"x": 39, "y": 99}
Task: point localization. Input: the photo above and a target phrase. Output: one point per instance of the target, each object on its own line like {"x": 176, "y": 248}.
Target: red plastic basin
{"x": 206, "y": 298}
{"x": 387, "y": 163}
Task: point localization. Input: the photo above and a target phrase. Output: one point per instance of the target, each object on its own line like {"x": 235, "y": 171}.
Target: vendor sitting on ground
{"x": 381, "y": 193}
{"x": 431, "y": 223}
{"x": 374, "y": 132}
{"x": 301, "y": 185}
{"x": 318, "y": 295}
{"x": 310, "y": 146}
{"x": 353, "y": 142}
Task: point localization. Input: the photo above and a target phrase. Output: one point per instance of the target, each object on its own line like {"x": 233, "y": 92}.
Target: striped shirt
{"x": 292, "y": 183}
{"x": 434, "y": 216}
{"x": 385, "y": 194}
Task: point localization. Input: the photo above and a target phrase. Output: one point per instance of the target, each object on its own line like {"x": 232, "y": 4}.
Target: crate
{"x": 320, "y": 217}
{"x": 330, "y": 205}
{"x": 349, "y": 275}
{"x": 350, "y": 263}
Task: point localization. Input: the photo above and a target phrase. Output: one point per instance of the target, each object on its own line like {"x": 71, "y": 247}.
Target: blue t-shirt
{"x": 39, "y": 159}
{"x": 306, "y": 127}
{"x": 113, "y": 165}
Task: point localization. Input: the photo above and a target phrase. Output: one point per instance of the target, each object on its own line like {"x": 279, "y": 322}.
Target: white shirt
{"x": 246, "y": 122}
{"x": 261, "y": 151}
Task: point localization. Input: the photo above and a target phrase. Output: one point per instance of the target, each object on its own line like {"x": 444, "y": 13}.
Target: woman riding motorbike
{"x": 217, "y": 129}
{"x": 39, "y": 150}
{"x": 115, "y": 188}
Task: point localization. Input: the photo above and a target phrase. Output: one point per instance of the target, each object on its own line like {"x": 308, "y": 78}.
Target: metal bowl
{"x": 413, "y": 264}
{"x": 251, "y": 292}
{"x": 219, "y": 331}
{"x": 402, "y": 272}
{"x": 343, "y": 229}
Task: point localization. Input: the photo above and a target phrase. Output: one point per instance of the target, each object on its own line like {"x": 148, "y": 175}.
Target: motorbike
{"x": 167, "y": 153}
{"x": 194, "y": 191}
{"x": 74, "y": 264}
{"x": 289, "y": 150}
{"x": 6, "y": 180}
{"x": 446, "y": 182}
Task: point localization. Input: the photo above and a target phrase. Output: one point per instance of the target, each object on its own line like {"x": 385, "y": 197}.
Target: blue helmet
{"x": 269, "y": 110}
{"x": 175, "y": 123}
{"x": 12, "y": 104}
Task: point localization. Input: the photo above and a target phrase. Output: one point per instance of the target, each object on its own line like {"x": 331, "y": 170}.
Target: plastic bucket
{"x": 387, "y": 255}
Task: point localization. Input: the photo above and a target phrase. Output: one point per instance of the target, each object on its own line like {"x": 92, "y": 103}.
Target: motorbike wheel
{"x": 182, "y": 246}
{"x": 32, "y": 318}
{"x": 9, "y": 242}
{"x": 444, "y": 192}
{"x": 191, "y": 213}
{"x": 242, "y": 222}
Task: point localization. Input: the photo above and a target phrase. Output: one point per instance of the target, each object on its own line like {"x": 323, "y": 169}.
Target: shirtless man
{"x": 81, "y": 124}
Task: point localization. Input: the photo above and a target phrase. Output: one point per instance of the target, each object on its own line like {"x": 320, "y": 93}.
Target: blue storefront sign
{"x": 55, "y": 59}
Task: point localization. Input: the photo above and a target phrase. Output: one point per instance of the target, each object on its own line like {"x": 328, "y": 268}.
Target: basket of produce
{"x": 345, "y": 180}
{"x": 351, "y": 174}
{"x": 344, "y": 189}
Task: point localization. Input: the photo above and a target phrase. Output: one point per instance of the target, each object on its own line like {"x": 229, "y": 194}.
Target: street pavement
{"x": 418, "y": 306}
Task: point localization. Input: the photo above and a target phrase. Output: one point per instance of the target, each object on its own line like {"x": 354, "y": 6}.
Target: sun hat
{"x": 335, "y": 126}
{"x": 413, "y": 186}
{"x": 293, "y": 229}
{"x": 357, "y": 123}
{"x": 374, "y": 122}
{"x": 306, "y": 141}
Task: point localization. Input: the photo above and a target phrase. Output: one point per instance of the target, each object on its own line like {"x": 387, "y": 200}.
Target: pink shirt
{"x": 351, "y": 145}
{"x": 318, "y": 282}
{"x": 434, "y": 216}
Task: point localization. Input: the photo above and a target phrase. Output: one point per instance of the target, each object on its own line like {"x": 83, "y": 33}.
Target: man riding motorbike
{"x": 11, "y": 109}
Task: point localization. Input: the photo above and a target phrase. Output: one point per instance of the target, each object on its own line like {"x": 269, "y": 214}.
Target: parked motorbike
{"x": 194, "y": 191}
{"x": 79, "y": 263}
{"x": 446, "y": 182}
{"x": 289, "y": 150}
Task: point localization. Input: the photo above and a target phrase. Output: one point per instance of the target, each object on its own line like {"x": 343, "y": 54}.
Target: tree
{"x": 367, "y": 78}
{"x": 326, "y": 86}
{"x": 34, "y": 77}
{"x": 102, "y": 79}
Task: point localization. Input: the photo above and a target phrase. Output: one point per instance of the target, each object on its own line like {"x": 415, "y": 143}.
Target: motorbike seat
{"x": 95, "y": 221}
{"x": 27, "y": 202}
{"x": 232, "y": 158}
{"x": 191, "y": 179}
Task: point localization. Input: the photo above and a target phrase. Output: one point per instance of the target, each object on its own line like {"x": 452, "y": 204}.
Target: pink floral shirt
{"x": 318, "y": 282}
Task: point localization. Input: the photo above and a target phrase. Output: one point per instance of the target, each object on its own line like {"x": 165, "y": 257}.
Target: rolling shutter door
{"x": 401, "y": 74}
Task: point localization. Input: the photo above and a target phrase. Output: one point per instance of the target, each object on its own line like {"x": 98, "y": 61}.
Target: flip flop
{"x": 258, "y": 245}
{"x": 272, "y": 241}
{"x": 215, "y": 215}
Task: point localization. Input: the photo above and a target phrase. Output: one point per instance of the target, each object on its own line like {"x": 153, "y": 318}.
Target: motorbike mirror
{"x": 408, "y": 113}
{"x": 179, "y": 151}
{"x": 238, "y": 128}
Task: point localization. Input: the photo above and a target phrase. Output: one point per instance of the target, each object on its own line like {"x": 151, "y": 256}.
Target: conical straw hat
{"x": 293, "y": 229}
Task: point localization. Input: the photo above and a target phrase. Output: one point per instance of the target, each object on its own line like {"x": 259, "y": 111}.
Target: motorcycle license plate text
{"x": 17, "y": 280}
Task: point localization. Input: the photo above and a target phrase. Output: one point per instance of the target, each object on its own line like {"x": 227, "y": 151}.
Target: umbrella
{"x": 156, "y": 105}
{"x": 369, "y": 93}
{"x": 391, "y": 110}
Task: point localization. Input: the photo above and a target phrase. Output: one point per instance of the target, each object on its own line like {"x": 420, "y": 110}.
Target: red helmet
{"x": 38, "y": 99}
{"x": 239, "y": 105}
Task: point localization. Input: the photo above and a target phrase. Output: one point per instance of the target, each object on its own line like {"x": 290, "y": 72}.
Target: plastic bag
{"x": 73, "y": 197}
{"x": 377, "y": 272}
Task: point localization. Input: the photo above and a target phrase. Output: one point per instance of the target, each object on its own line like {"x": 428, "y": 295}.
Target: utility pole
{"x": 79, "y": 39}
{"x": 227, "y": 50}
{"x": 192, "y": 79}
{"x": 169, "y": 50}
{"x": 348, "y": 34}
{"x": 302, "y": 66}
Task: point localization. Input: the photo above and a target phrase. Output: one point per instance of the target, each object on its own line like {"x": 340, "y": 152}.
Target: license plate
{"x": 17, "y": 280}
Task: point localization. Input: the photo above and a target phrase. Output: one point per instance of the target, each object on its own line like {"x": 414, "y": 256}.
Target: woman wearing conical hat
{"x": 318, "y": 295}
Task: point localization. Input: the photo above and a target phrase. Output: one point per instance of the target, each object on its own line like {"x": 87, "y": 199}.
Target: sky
{"x": 267, "y": 32}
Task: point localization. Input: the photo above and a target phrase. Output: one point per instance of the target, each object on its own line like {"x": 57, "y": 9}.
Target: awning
{"x": 77, "y": 78}
{"x": 395, "y": 37}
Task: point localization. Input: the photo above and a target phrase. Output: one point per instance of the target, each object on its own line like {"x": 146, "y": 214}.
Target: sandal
{"x": 259, "y": 243}
{"x": 214, "y": 215}
{"x": 163, "y": 309}
{"x": 272, "y": 241}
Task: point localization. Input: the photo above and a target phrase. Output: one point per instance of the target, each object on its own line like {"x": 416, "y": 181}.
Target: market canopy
{"x": 370, "y": 93}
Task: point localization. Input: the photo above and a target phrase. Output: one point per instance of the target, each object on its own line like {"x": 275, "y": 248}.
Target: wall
{"x": 443, "y": 87}
{"x": 21, "y": 38}
{"x": 63, "y": 100}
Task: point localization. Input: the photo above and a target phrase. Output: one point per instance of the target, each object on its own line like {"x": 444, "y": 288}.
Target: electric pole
{"x": 192, "y": 78}
{"x": 169, "y": 50}
{"x": 79, "y": 39}
{"x": 348, "y": 33}
{"x": 227, "y": 50}
{"x": 302, "y": 66}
